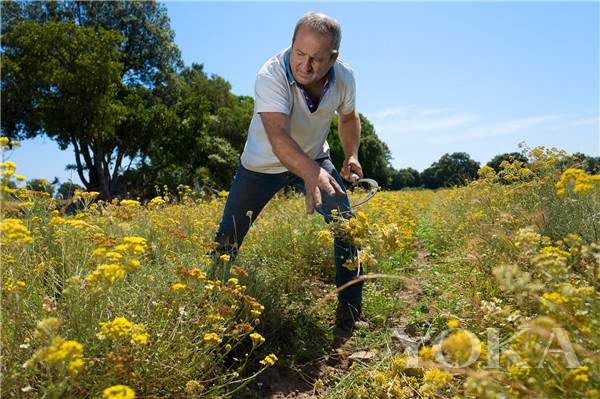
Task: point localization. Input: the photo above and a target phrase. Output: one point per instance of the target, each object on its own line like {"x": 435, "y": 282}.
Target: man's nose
{"x": 307, "y": 66}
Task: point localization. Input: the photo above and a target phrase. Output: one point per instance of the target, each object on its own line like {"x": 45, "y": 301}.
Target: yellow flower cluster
{"x": 120, "y": 327}
{"x": 554, "y": 250}
{"x": 178, "y": 287}
{"x": 257, "y": 339}
{"x": 434, "y": 380}
{"x": 85, "y": 196}
{"x": 76, "y": 224}
{"x": 120, "y": 260}
{"x": 325, "y": 237}
{"x": 578, "y": 375}
{"x": 7, "y": 168}
{"x": 212, "y": 338}
{"x": 59, "y": 353}
{"x": 256, "y": 308}
{"x": 193, "y": 273}
{"x": 9, "y": 286}
{"x": 130, "y": 203}
{"x": 453, "y": 323}
{"x": 5, "y": 142}
{"x": 582, "y": 181}
{"x": 555, "y": 298}
{"x": 354, "y": 230}
{"x": 156, "y": 201}
{"x": 14, "y": 231}
{"x": 397, "y": 236}
{"x": 269, "y": 360}
{"x": 461, "y": 347}
{"x": 118, "y": 392}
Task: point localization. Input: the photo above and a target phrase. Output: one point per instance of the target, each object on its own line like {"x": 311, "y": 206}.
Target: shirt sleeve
{"x": 348, "y": 97}
{"x": 270, "y": 95}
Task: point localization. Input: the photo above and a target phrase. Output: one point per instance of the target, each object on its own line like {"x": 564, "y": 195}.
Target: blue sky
{"x": 433, "y": 78}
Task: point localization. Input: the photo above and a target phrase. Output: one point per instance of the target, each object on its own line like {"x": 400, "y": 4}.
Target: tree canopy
{"x": 454, "y": 169}
{"x": 84, "y": 73}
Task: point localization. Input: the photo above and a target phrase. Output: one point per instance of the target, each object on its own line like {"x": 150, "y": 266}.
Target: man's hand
{"x": 316, "y": 182}
{"x": 351, "y": 166}
{"x": 316, "y": 179}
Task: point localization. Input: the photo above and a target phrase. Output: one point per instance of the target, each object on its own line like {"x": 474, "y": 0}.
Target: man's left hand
{"x": 350, "y": 166}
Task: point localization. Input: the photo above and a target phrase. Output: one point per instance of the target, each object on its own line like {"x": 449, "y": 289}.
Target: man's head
{"x": 315, "y": 47}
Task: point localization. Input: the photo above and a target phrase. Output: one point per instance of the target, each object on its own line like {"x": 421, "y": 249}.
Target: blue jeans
{"x": 251, "y": 191}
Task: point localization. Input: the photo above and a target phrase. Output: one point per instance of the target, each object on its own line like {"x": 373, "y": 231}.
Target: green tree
{"x": 41, "y": 185}
{"x": 450, "y": 170}
{"x": 407, "y": 177}
{"x": 67, "y": 189}
{"x": 374, "y": 155}
{"x": 510, "y": 157}
{"x": 87, "y": 74}
{"x": 61, "y": 80}
{"x": 588, "y": 163}
{"x": 205, "y": 129}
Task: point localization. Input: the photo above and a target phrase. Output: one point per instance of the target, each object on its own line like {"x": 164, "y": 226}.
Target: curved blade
{"x": 374, "y": 187}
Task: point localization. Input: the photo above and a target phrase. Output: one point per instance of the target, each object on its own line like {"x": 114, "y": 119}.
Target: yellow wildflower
{"x": 554, "y": 250}
{"x": 156, "y": 201}
{"x": 582, "y": 181}
{"x": 99, "y": 252}
{"x": 212, "y": 338}
{"x": 121, "y": 327}
{"x": 555, "y": 298}
{"x": 132, "y": 264}
{"x": 178, "y": 287}
{"x": 13, "y": 230}
{"x": 257, "y": 339}
{"x": 113, "y": 256}
{"x": 437, "y": 376}
{"x": 325, "y": 237}
{"x": 130, "y": 203}
{"x": 118, "y": 392}
{"x": 453, "y": 323}
{"x": 233, "y": 281}
{"x": 269, "y": 360}
{"x": 106, "y": 273}
{"x": 140, "y": 339}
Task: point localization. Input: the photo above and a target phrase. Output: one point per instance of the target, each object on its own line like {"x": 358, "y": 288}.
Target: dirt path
{"x": 313, "y": 380}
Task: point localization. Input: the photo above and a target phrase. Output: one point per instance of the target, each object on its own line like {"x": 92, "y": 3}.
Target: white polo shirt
{"x": 277, "y": 91}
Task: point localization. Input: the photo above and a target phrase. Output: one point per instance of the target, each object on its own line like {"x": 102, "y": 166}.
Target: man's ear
{"x": 334, "y": 57}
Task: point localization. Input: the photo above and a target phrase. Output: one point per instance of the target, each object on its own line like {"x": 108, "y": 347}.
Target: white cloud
{"x": 445, "y": 125}
{"x": 408, "y": 119}
{"x": 584, "y": 121}
{"x": 394, "y": 111}
{"x": 500, "y": 128}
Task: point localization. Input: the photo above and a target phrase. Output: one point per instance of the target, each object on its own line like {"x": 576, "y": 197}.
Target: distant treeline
{"x": 107, "y": 79}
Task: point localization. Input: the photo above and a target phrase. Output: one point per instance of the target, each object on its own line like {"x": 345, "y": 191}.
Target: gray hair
{"x": 323, "y": 24}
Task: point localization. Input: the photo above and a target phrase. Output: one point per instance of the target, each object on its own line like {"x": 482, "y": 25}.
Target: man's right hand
{"x": 316, "y": 182}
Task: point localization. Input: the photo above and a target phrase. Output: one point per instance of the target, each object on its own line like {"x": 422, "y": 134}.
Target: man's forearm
{"x": 292, "y": 156}
{"x": 349, "y": 132}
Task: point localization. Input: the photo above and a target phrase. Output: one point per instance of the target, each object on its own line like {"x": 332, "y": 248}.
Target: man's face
{"x": 312, "y": 56}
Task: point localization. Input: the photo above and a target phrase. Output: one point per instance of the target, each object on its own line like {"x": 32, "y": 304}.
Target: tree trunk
{"x": 100, "y": 172}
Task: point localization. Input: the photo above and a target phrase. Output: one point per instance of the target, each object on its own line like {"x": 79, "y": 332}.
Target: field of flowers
{"x": 488, "y": 291}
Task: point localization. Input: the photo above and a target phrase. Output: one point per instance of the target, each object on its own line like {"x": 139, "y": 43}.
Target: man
{"x": 296, "y": 94}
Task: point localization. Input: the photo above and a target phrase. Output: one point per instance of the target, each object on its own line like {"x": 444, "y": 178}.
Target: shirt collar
{"x": 290, "y": 75}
